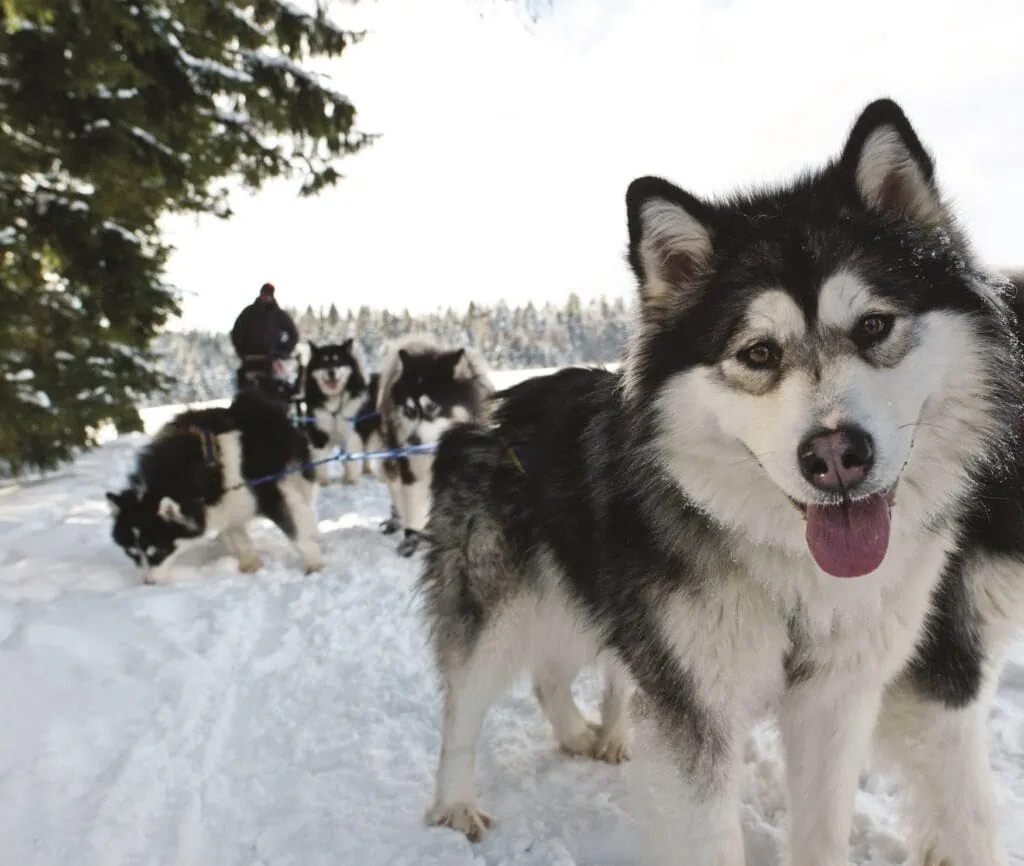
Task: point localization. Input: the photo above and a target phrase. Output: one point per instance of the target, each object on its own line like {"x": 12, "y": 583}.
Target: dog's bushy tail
{"x": 470, "y": 567}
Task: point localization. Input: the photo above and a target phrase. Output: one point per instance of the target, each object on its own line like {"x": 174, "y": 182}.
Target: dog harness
{"x": 207, "y": 441}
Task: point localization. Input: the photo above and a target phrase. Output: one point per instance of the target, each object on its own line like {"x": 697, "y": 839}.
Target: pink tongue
{"x": 849, "y": 540}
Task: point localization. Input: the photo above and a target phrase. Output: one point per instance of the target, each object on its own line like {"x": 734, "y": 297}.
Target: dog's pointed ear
{"x": 347, "y": 345}
{"x": 891, "y": 170}
{"x": 114, "y": 502}
{"x": 312, "y": 346}
{"x": 403, "y": 358}
{"x": 670, "y": 243}
{"x": 462, "y": 370}
{"x": 170, "y": 511}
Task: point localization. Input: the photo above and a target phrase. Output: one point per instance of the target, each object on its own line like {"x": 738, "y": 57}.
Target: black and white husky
{"x": 341, "y": 408}
{"x": 193, "y": 478}
{"x": 425, "y": 388}
{"x": 803, "y": 497}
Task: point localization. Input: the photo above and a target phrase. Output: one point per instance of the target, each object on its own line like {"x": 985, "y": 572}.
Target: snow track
{"x": 282, "y": 720}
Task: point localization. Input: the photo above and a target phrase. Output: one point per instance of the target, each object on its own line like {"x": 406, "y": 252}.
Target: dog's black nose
{"x": 834, "y": 460}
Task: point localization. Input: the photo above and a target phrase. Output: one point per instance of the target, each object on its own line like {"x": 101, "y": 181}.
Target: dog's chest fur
{"x": 334, "y": 416}
{"x": 840, "y": 629}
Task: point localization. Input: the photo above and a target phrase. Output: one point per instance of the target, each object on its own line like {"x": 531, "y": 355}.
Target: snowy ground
{"x": 280, "y": 719}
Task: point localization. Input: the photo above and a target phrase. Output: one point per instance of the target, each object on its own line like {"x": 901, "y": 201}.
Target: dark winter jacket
{"x": 263, "y": 328}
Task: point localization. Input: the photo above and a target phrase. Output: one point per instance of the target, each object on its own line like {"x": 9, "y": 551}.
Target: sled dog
{"x": 804, "y": 497}
{"x": 193, "y": 478}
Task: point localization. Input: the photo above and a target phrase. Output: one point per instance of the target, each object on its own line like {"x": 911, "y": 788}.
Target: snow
{"x": 39, "y": 398}
{"x": 151, "y": 140}
{"x": 278, "y": 719}
{"x": 279, "y": 61}
{"x": 213, "y": 67}
{"x": 234, "y": 118}
{"x": 112, "y": 226}
{"x": 104, "y": 92}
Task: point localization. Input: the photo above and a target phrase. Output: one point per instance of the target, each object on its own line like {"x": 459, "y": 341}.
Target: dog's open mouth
{"x": 849, "y": 538}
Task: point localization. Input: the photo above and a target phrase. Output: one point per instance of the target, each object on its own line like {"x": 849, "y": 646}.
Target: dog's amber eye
{"x": 765, "y": 355}
{"x": 872, "y": 329}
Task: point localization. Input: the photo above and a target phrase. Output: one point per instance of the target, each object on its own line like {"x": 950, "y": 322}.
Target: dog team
{"x": 801, "y": 496}
{"x": 214, "y": 470}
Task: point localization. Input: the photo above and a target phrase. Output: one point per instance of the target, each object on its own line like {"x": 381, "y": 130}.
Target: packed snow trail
{"x": 282, "y": 720}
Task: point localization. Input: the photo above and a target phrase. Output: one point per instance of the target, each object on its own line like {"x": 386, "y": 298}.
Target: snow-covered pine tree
{"x": 113, "y": 113}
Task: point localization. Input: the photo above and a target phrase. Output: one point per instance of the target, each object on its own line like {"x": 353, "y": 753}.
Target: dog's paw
{"x": 614, "y": 749}
{"x": 249, "y": 564}
{"x": 315, "y": 565}
{"x": 465, "y": 819}
{"x": 930, "y": 855}
{"x": 583, "y": 743}
{"x": 390, "y": 526}
{"x": 408, "y": 545}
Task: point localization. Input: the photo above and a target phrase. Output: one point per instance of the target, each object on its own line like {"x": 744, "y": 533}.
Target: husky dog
{"x": 340, "y": 408}
{"x": 804, "y": 497}
{"x": 425, "y": 388}
{"x": 194, "y": 477}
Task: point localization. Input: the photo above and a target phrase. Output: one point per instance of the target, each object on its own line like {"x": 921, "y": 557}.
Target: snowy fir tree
{"x": 114, "y": 113}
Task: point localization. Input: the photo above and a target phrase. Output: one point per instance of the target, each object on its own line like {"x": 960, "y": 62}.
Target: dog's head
{"x": 817, "y": 359}
{"x": 148, "y": 527}
{"x": 334, "y": 366}
{"x": 430, "y": 393}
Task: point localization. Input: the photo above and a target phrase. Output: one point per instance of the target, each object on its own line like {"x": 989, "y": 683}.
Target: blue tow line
{"x": 352, "y": 419}
{"x": 345, "y": 457}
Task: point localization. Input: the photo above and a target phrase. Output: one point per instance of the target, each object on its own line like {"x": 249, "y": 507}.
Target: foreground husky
{"x": 425, "y": 388}
{"x": 804, "y": 496}
{"x": 340, "y": 407}
{"x": 193, "y": 478}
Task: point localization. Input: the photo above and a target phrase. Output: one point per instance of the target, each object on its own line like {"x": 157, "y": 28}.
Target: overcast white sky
{"x": 507, "y": 147}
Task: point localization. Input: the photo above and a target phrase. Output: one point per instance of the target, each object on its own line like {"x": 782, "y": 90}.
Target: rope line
{"x": 345, "y": 457}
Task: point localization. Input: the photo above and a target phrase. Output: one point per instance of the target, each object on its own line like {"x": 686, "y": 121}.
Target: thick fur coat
{"x": 425, "y": 388}
{"x": 804, "y": 497}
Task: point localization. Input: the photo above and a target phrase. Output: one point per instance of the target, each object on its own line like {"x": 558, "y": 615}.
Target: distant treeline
{"x": 203, "y": 364}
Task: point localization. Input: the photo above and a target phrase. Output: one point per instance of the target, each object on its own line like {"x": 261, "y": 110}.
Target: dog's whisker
{"x": 931, "y": 424}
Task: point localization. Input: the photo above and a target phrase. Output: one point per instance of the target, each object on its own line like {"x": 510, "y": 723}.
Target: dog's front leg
{"x": 238, "y": 541}
{"x": 942, "y": 755}
{"x": 416, "y": 493}
{"x": 687, "y": 777}
{"x": 695, "y": 817}
{"x": 164, "y": 572}
{"x": 396, "y": 519}
{"x": 415, "y": 496}
{"x": 826, "y": 728}
{"x": 350, "y": 468}
{"x": 323, "y": 470}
